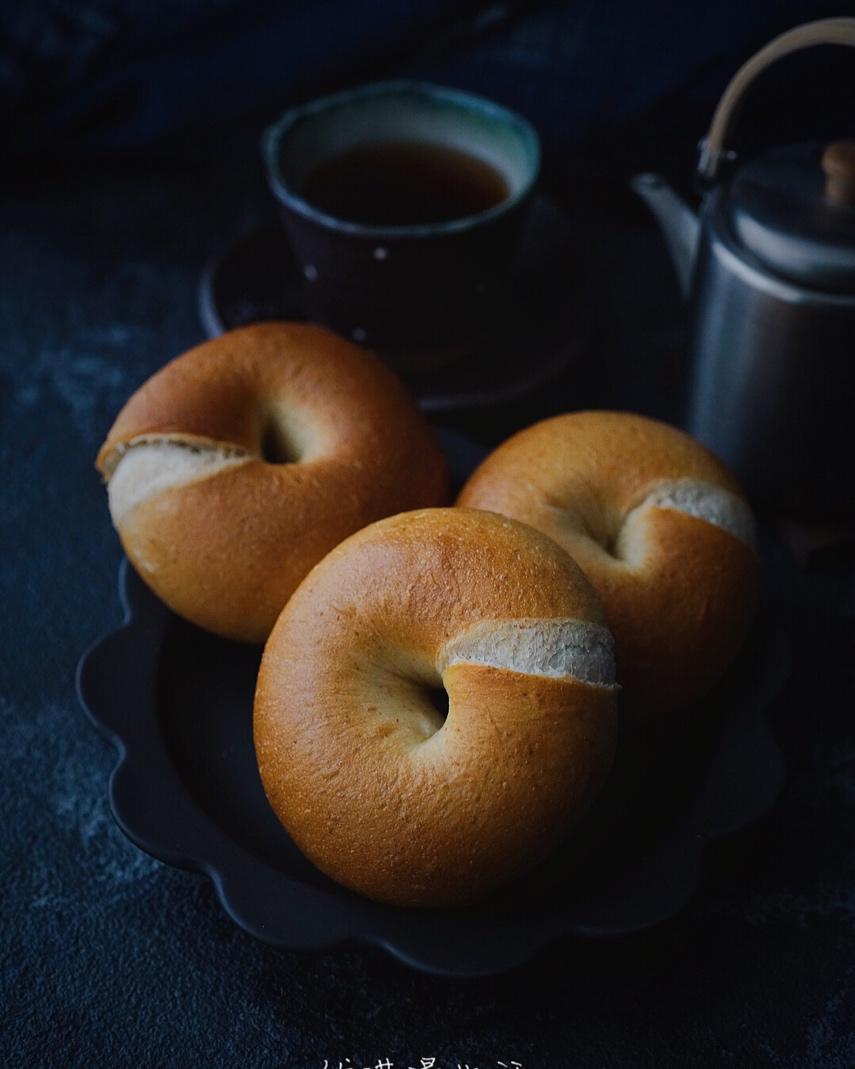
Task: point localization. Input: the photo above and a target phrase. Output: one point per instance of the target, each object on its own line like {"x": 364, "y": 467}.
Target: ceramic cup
{"x": 407, "y": 286}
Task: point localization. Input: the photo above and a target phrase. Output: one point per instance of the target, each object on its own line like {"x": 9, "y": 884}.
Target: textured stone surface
{"x": 111, "y": 959}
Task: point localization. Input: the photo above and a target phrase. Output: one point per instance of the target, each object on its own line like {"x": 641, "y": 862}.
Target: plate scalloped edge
{"x": 677, "y": 861}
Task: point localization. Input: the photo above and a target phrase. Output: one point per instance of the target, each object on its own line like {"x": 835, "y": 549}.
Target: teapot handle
{"x": 836, "y": 31}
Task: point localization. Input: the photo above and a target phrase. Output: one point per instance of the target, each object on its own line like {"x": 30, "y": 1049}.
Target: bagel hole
{"x": 276, "y": 446}
{"x": 288, "y": 435}
{"x": 438, "y": 697}
{"x": 604, "y": 529}
{"x": 609, "y": 544}
{"x": 586, "y": 522}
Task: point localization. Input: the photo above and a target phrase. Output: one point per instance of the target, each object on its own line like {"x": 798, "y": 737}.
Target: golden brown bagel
{"x": 236, "y": 467}
{"x": 659, "y": 528}
{"x": 358, "y": 765}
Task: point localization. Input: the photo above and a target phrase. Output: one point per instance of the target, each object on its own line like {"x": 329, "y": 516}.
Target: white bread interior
{"x": 149, "y": 467}
{"x": 559, "y": 648}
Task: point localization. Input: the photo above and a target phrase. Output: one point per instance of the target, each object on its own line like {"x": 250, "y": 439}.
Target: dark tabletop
{"x": 110, "y": 958}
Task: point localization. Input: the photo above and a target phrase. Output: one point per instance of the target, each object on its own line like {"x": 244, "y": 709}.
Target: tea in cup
{"x": 403, "y": 203}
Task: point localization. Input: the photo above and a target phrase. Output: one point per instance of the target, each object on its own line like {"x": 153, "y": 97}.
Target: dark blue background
{"x": 129, "y": 136}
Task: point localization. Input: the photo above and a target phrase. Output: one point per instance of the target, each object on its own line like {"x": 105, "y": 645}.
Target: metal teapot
{"x": 769, "y": 269}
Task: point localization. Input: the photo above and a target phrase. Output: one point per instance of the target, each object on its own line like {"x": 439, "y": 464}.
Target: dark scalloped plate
{"x": 176, "y": 702}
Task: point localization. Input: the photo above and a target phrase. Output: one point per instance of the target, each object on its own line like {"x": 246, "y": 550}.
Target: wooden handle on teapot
{"x": 838, "y": 162}
{"x": 837, "y": 31}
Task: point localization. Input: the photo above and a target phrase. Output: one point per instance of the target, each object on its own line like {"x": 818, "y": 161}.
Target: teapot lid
{"x": 793, "y": 209}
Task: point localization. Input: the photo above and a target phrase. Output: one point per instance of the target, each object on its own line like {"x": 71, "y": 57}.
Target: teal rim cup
{"x": 408, "y": 286}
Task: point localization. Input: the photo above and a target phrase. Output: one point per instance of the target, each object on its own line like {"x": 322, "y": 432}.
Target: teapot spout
{"x": 680, "y": 225}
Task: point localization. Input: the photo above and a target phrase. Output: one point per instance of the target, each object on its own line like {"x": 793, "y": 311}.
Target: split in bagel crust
{"x": 150, "y": 466}
{"x": 658, "y": 526}
{"x": 238, "y": 465}
{"x": 376, "y": 788}
{"x": 693, "y": 497}
{"x": 560, "y": 648}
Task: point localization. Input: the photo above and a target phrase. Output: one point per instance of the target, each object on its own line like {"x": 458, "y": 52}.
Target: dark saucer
{"x": 541, "y": 331}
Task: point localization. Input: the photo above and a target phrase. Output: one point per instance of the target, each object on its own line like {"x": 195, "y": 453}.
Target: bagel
{"x": 657, "y": 525}
{"x": 238, "y": 465}
{"x": 371, "y": 783}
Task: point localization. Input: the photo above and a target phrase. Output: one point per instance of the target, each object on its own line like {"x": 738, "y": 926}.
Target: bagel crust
{"x": 658, "y": 526}
{"x": 240, "y": 464}
{"x": 372, "y": 784}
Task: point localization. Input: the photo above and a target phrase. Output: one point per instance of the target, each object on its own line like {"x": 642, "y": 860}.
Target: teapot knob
{"x": 838, "y": 162}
